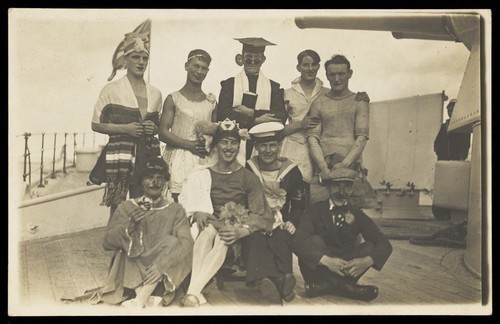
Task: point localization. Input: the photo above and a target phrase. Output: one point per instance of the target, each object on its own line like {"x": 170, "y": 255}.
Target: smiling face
{"x": 268, "y": 152}
{"x": 227, "y": 149}
{"x": 252, "y": 62}
{"x": 308, "y": 68}
{"x": 196, "y": 70}
{"x": 340, "y": 191}
{"x": 136, "y": 63}
{"x": 338, "y": 75}
{"x": 153, "y": 185}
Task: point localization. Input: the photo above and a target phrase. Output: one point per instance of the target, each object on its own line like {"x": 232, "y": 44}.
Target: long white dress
{"x": 181, "y": 162}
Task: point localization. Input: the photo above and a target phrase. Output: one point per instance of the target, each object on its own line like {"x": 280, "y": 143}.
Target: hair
{"x": 338, "y": 59}
{"x": 311, "y": 53}
{"x": 201, "y": 55}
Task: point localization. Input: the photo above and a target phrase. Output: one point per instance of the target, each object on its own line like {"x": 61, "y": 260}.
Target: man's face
{"x": 268, "y": 151}
{"x": 227, "y": 149}
{"x": 340, "y": 190}
{"x": 252, "y": 62}
{"x": 136, "y": 63}
{"x": 153, "y": 185}
{"x": 339, "y": 76}
{"x": 308, "y": 69}
{"x": 196, "y": 70}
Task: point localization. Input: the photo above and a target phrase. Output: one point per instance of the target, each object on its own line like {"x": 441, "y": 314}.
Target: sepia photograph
{"x": 249, "y": 162}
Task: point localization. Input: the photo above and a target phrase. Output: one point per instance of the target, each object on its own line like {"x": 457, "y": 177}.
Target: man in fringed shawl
{"x": 128, "y": 111}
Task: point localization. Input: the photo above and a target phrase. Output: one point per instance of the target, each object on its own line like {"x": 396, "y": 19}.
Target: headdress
{"x": 135, "y": 42}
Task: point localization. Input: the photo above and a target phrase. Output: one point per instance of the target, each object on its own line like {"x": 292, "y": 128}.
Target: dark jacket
{"x": 317, "y": 221}
{"x": 225, "y": 105}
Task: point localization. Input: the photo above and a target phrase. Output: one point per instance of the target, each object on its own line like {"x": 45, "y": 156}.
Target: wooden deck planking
{"x": 412, "y": 276}
{"x": 94, "y": 258}
{"x": 23, "y": 275}
{"x": 435, "y": 276}
{"x": 39, "y": 281}
{"x": 77, "y": 267}
{"x": 60, "y": 276}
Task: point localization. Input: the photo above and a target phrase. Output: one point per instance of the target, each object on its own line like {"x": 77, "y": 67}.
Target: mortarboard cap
{"x": 254, "y": 44}
{"x": 268, "y": 131}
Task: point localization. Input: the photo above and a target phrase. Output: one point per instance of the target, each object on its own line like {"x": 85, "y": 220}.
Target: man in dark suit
{"x": 268, "y": 104}
{"x": 326, "y": 242}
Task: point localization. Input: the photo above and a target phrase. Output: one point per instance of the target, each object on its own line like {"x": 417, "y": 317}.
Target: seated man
{"x": 270, "y": 254}
{"x": 330, "y": 259}
{"x": 153, "y": 243}
{"x": 227, "y": 203}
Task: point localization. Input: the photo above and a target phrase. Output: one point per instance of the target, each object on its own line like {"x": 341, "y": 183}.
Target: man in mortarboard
{"x": 269, "y": 256}
{"x": 326, "y": 242}
{"x": 250, "y": 97}
{"x": 128, "y": 111}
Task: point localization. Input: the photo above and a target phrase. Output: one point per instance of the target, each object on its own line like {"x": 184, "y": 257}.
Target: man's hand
{"x": 150, "y": 128}
{"x": 324, "y": 175}
{"x": 153, "y": 274}
{"x": 136, "y": 216}
{"x": 288, "y": 226}
{"x": 356, "y": 267}
{"x": 230, "y": 234}
{"x": 362, "y": 96}
{"x": 340, "y": 165}
{"x": 334, "y": 264}
{"x": 266, "y": 118}
{"x": 198, "y": 148}
{"x": 133, "y": 129}
{"x": 244, "y": 110}
{"x": 202, "y": 219}
{"x": 309, "y": 122}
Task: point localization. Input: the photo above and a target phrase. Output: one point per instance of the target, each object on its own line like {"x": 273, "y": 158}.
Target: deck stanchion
{"x": 64, "y": 153}
{"x": 27, "y": 158}
{"x": 53, "y": 176}
{"x": 40, "y": 184}
{"x": 74, "y": 149}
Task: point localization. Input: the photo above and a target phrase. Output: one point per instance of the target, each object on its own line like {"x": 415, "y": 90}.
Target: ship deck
{"x": 53, "y": 268}
{"x": 415, "y": 279}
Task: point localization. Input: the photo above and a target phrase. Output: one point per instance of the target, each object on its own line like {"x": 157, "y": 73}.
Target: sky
{"x": 59, "y": 59}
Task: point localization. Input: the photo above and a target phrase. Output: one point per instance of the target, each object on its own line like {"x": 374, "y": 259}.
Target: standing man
{"x": 449, "y": 147}
{"x": 305, "y": 89}
{"x": 128, "y": 111}
{"x": 268, "y": 104}
{"x": 326, "y": 243}
{"x": 182, "y": 109}
{"x": 339, "y": 140}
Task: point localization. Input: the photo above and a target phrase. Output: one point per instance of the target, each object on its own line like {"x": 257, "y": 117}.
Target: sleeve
{"x": 181, "y": 248}
{"x": 308, "y": 247}
{"x": 362, "y": 123}
{"x": 195, "y": 195}
{"x": 371, "y": 233}
{"x": 261, "y": 216}
{"x": 315, "y": 112}
{"x": 296, "y": 197}
{"x": 102, "y": 101}
{"x": 116, "y": 236}
{"x": 439, "y": 142}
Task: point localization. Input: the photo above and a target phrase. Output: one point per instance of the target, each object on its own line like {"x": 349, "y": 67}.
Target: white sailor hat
{"x": 268, "y": 131}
